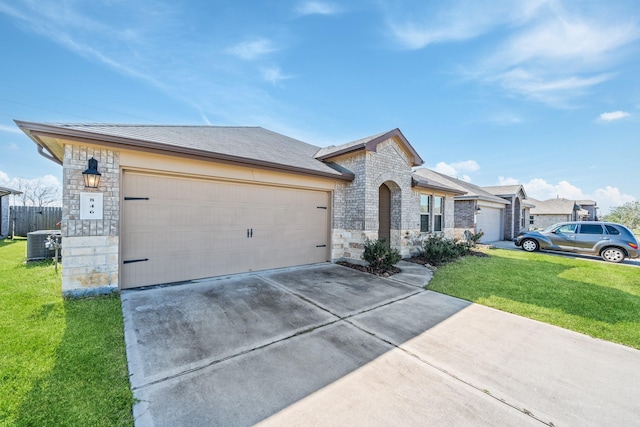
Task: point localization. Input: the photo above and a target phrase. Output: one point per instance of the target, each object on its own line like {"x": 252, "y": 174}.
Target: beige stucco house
{"x": 177, "y": 203}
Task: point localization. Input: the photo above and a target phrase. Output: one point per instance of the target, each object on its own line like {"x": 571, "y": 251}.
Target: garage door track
{"x": 328, "y": 345}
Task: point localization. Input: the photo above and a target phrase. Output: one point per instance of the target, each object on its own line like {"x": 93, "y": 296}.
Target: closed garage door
{"x": 177, "y": 229}
{"x": 489, "y": 220}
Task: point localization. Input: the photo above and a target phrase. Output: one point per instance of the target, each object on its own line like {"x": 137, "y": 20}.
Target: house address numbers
{"x": 91, "y": 205}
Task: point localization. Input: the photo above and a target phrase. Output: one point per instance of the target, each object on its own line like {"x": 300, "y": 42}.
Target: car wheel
{"x": 530, "y": 245}
{"x": 613, "y": 254}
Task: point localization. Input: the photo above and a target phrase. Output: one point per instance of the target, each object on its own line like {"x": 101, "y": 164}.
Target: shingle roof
{"x": 504, "y": 190}
{"x": 251, "y": 145}
{"x": 469, "y": 191}
{"x": 552, "y": 207}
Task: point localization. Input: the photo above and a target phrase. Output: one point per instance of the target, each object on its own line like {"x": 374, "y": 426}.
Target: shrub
{"x": 437, "y": 249}
{"x": 380, "y": 255}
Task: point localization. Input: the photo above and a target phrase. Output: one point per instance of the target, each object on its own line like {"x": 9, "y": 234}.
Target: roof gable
{"x": 370, "y": 143}
{"x": 553, "y": 207}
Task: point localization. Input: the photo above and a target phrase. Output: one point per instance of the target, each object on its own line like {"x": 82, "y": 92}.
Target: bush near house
{"x": 437, "y": 249}
{"x": 379, "y": 255}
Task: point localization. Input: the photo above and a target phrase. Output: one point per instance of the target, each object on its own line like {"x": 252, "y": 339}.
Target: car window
{"x": 612, "y": 230}
{"x": 567, "y": 228}
{"x": 590, "y": 229}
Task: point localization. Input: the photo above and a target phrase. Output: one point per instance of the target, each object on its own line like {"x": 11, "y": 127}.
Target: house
{"x": 4, "y": 210}
{"x": 516, "y": 217}
{"x": 475, "y": 209}
{"x": 591, "y": 207}
{"x": 177, "y": 203}
{"x": 552, "y": 211}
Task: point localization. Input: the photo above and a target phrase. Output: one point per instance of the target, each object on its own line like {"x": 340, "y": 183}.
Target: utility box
{"x": 36, "y": 249}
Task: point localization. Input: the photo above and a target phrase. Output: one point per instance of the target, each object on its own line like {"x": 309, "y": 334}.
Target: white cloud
{"x": 549, "y": 51}
{"x": 457, "y": 169}
{"x": 614, "y": 115}
{"x": 317, "y": 8}
{"x": 540, "y": 189}
{"x": 4, "y": 179}
{"x": 274, "y": 75}
{"x": 252, "y": 49}
{"x": 462, "y": 20}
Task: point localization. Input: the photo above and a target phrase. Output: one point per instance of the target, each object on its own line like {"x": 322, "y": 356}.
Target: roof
{"x": 5, "y": 191}
{"x": 505, "y": 190}
{"x": 553, "y": 207}
{"x": 370, "y": 143}
{"x": 423, "y": 182}
{"x": 467, "y": 190}
{"x": 254, "y": 146}
{"x": 586, "y": 202}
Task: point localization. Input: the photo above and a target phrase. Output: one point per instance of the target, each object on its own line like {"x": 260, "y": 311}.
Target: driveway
{"x": 327, "y": 345}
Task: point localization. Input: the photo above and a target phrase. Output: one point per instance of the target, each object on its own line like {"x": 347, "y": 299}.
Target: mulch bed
{"x": 415, "y": 259}
{"x": 370, "y": 270}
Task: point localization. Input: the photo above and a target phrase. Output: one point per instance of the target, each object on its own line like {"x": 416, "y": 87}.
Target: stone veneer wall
{"x": 90, "y": 247}
{"x": 465, "y": 212}
{"x": 356, "y": 203}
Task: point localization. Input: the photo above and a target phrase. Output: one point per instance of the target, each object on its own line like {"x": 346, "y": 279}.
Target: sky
{"x": 543, "y": 93}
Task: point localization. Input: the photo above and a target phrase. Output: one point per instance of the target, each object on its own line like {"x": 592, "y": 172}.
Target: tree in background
{"x": 36, "y": 192}
{"x": 627, "y": 214}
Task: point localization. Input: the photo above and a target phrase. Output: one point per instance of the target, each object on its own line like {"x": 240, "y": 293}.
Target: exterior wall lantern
{"x": 91, "y": 175}
{"x": 478, "y": 209}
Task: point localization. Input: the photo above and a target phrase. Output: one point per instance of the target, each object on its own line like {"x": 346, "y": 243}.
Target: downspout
{"x": 47, "y": 155}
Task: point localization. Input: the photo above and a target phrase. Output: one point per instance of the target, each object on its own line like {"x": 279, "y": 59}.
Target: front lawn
{"x": 598, "y": 299}
{"x": 62, "y": 362}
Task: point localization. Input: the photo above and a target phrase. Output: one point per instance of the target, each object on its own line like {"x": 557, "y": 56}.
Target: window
{"x": 612, "y": 230}
{"x": 591, "y": 229}
{"x": 531, "y": 219}
{"x": 522, "y": 216}
{"x": 567, "y": 228}
{"x": 425, "y": 211}
{"x": 438, "y": 210}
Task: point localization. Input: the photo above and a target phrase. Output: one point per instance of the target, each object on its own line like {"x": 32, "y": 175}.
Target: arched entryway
{"x": 384, "y": 214}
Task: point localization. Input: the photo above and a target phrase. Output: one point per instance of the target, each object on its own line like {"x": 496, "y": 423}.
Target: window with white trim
{"x": 438, "y": 212}
{"x": 425, "y": 213}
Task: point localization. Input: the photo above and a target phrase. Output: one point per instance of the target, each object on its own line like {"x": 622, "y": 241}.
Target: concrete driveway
{"x": 327, "y": 345}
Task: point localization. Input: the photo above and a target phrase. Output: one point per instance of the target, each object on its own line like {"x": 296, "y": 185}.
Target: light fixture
{"x": 478, "y": 209}
{"x": 91, "y": 175}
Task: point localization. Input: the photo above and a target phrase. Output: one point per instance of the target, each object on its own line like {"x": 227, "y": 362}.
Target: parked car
{"x": 613, "y": 242}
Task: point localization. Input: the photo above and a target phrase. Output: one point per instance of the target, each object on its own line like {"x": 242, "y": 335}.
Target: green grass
{"x": 62, "y": 361}
{"x": 598, "y": 299}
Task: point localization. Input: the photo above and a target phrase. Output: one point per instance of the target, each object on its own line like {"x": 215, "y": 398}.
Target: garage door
{"x": 177, "y": 229}
{"x": 489, "y": 220}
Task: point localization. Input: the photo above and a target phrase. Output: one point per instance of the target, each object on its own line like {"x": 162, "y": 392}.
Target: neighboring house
{"x": 4, "y": 210}
{"x": 552, "y": 211}
{"x": 176, "y": 203}
{"x": 476, "y": 210}
{"x": 591, "y": 207}
{"x": 516, "y": 218}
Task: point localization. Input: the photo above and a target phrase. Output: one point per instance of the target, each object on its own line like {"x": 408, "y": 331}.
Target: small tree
{"x": 627, "y": 214}
{"x": 36, "y": 192}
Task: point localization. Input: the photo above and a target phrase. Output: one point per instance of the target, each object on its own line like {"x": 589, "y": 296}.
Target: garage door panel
{"x": 489, "y": 221}
{"x": 190, "y": 229}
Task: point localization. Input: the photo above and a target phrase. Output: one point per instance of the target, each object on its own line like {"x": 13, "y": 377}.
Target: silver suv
{"x": 613, "y": 242}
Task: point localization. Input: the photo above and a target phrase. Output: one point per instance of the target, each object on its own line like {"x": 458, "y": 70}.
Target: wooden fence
{"x": 25, "y": 219}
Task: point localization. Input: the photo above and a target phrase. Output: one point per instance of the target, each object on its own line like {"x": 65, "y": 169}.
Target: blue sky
{"x": 535, "y": 92}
